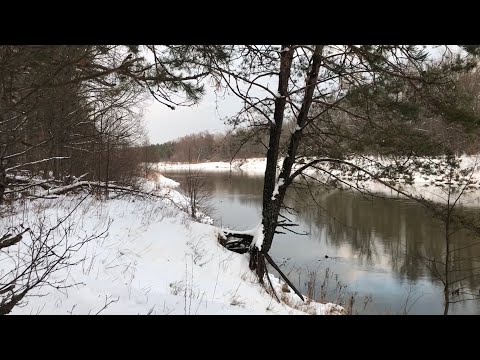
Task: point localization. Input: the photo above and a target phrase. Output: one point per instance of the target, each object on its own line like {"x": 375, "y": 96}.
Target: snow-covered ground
{"x": 153, "y": 259}
{"x": 254, "y": 166}
{"x": 424, "y": 177}
{"x": 164, "y": 182}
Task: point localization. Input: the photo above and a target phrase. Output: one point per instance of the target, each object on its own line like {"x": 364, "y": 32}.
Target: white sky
{"x": 164, "y": 124}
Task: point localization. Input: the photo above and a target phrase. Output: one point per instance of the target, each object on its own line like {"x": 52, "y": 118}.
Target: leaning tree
{"x": 316, "y": 86}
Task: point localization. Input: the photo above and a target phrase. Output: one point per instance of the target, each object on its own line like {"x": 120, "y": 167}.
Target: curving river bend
{"x": 373, "y": 246}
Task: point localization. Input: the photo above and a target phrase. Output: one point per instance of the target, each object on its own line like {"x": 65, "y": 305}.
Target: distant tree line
{"x": 449, "y": 119}
{"x": 205, "y": 146}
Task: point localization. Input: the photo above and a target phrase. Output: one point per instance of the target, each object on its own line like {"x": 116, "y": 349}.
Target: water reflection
{"x": 376, "y": 246}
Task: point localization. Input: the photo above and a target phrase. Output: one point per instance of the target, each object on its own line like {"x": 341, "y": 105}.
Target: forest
{"x": 75, "y": 156}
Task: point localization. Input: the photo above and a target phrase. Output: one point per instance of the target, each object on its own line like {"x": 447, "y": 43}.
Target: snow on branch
{"x": 279, "y": 183}
{"x": 252, "y": 238}
{"x": 37, "y": 162}
{"x": 258, "y": 237}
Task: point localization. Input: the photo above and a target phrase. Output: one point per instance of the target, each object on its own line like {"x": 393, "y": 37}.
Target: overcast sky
{"x": 164, "y": 124}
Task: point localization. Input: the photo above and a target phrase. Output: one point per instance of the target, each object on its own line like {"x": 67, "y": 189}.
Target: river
{"x": 371, "y": 248}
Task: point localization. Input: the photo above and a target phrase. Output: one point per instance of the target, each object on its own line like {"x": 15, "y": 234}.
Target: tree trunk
{"x": 193, "y": 205}
{"x": 107, "y": 168}
{"x": 447, "y": 256}
{"x": 269, "y": 211}
{"x": 56, "y": 163}
{"x": 271, "y": 208}
{"x": 3, "y": 182}
{"x": 100, "y": 160}
{"x": 257, "y": 263}
{"x": 47, "y": 164}
{"x": 446, "y": 300}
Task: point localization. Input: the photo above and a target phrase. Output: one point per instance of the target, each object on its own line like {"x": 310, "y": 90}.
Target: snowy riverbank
{"x": 152, "y": 259}
{"x": 422, "y": 176}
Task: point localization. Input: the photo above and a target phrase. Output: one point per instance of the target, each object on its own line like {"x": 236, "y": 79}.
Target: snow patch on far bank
{"x": 166, "y": 182}
{"x": 426, "y": 177}
{"x": 254, "y": 166}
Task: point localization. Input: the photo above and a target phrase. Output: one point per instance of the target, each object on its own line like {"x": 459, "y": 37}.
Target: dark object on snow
{"x": 9, "y": 240}
{"x": 239, "y": 243}
{"x": 326, "y": 256}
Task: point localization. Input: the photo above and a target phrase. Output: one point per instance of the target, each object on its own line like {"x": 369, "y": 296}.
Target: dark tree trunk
{"x": 3, "y": 182}
{"x": 269, "y": 211}
{"x": 257, "y": 263}
{"x": 271, "y": 208}
{"x": 447, "y": 258}
{"x": 47, "y": 164}
{"x": 107, "y": 166}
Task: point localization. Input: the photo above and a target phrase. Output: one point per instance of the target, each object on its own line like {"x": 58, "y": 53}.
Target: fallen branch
{"x": 269, "y": 259}
{"x": 107, "y": 304}
{"x": 37, "y": 162}
{"x": 90, "y": 184}
{"x": 8, "y": 240}
{"x": 246, "y": 240}
{"x": 7, "y": 289}
{"x": 238, "y": 243}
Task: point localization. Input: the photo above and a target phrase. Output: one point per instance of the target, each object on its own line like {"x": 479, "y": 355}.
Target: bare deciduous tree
{"x": 33, "y": 255}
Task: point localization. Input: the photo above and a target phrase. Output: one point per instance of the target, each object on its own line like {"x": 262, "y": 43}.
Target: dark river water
{"x": 375, "y": 247}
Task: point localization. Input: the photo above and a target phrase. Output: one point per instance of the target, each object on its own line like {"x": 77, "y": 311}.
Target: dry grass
{"x": 323, "y": 287}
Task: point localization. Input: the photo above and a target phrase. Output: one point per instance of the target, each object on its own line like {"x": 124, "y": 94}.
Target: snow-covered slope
{"x": 152, "y": 260}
